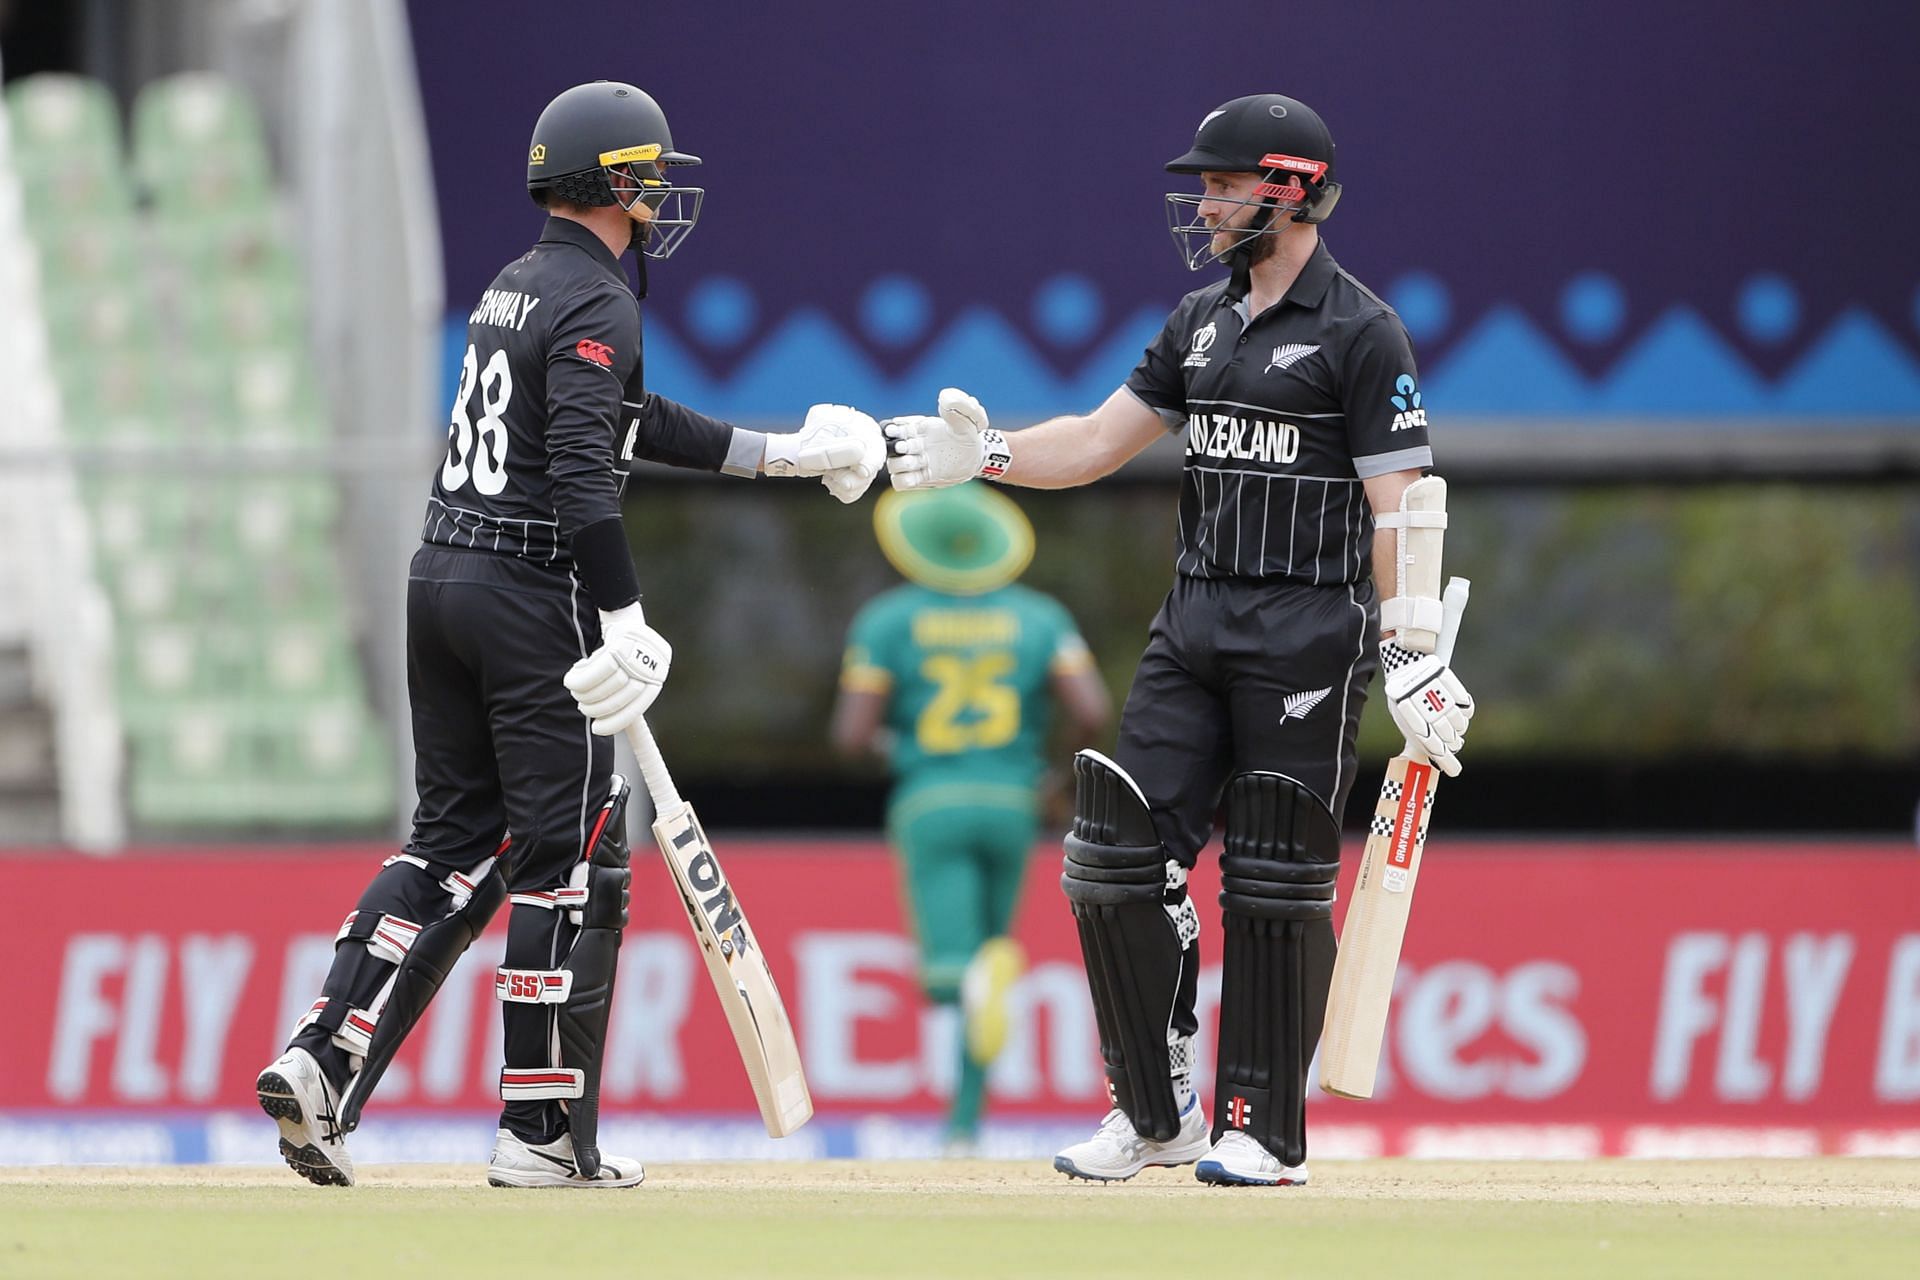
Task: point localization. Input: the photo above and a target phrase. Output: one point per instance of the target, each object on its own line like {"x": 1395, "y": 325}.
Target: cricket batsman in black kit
{"x": 526, "y": 650}
{"x": 1296, "y": 391}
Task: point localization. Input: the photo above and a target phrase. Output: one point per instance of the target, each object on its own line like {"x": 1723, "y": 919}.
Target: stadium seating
{"x": 175, "y": 315}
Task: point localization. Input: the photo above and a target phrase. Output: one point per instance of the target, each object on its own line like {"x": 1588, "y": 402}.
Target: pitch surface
{"x": 975, "y": 1218}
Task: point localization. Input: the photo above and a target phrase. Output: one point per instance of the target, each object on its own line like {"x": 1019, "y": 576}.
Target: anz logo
{"x": 1407, "y": 403}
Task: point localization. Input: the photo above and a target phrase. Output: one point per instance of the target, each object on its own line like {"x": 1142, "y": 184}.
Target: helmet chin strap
{"x": 1240, "y": 257}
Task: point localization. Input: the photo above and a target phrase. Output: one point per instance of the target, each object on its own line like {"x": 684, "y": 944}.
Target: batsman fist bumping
{"x": 525, "y": 578}
{"x": 1296, "y": 392}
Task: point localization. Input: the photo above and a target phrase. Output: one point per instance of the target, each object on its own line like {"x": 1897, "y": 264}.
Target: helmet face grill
{"x": 675, "y": 210}
{"x": 1193, "y": 238}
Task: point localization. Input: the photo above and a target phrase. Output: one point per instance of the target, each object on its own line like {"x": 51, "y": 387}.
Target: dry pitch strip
{"x": 1612, "y": 1218}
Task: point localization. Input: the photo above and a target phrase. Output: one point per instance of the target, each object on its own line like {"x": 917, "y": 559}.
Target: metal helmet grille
{"x": 675, "y": 209}
{"x": 672, "y": 221}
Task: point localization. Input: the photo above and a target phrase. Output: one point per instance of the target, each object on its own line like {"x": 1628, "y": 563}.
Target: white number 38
{"x": 483, "y": 459}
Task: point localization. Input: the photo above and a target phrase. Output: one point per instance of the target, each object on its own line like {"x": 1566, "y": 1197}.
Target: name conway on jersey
{"x": 552, "y": 405}
{"x": 1285, "y": 413}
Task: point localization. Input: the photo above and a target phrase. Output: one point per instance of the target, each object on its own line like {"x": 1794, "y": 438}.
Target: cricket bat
{"x": 1376, "y": 923}
{"x": 738, "y": 967}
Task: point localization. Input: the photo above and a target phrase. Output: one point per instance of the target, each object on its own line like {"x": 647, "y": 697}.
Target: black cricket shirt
{"x": 552, "y": 405}
{"x": 1285, "y": 414}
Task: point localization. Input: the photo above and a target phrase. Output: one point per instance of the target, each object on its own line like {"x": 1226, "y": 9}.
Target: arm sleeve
{"x": 592, "y": 351}
{"x": 1386, "y": 417}
{"x": 682, "y": 437}
{"x": 1157, "y": 381}
{"x": 865, "y": 666}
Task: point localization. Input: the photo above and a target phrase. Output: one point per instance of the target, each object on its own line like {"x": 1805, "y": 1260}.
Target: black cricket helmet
{"x": 607, "y": 143}
{"x": 1277, "y": 137}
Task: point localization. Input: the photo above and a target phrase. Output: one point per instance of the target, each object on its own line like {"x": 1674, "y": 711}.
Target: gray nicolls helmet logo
{"x": 1279, "y": 138}
{"x": 607, "y": 143}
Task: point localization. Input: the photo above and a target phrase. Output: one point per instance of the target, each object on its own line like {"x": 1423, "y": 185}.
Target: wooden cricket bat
{"x": 739, "y": 969}
{"x": 1376, "y": 923}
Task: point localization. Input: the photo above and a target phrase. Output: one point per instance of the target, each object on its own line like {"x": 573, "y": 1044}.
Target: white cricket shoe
{"x": 1116, "y": 1151}
{"x": 551, "y": 1164}
{"x": 1238, "y": 1161}
{"x": 296, "y": 1093}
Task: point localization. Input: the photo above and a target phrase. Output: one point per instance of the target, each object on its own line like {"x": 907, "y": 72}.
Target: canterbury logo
{"x": 1290, "y": 354}
{"x": 1300, "y": 705}
{"x": 598, "y": 352}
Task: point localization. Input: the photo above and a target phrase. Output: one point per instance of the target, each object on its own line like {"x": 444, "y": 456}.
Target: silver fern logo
{"x": 1289, "y": 354}
{"x": 1300, "y": 705}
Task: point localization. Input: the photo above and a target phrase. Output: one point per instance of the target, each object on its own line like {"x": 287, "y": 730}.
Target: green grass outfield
{"x": 1631, "y": 1219}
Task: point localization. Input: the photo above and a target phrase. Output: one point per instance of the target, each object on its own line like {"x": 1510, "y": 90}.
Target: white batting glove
{"x": 1429, "y": 704}
{"x": 616, "y": 683}
{"x": 838, "y": 443}
{"x": 934, "y": 453}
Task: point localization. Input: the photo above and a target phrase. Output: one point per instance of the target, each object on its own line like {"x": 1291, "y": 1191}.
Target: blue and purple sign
{"x": 1637, "y": 209}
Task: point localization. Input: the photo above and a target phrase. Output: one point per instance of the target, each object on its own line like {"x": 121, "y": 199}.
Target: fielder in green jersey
{"x": 953, "y": 678}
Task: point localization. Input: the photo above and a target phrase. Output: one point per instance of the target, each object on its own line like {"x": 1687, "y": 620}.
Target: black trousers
{"x": 1239, "y": 675}
{"x": 498, "y": 742}
{"x": 500, "y": 749}
{"x": 1242, "y": 675}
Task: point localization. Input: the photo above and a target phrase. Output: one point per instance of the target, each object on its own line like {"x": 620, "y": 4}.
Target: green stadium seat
{"x": 333, "y": 768}
{"x": 86, "y": 315}
{"x": 130, "y": 511}
{"x": 268, "y": 514}
{"x": 198, "y": 145}
{"x": 54, "y": 113}
{"x": 202, "y": 768}
{"x": 242, "y": 310}
{"x": 303, "y": 659}
{"x": 66, "y": 143}
{"x": 225, "y": 243}
{"x": 85, "y": 248}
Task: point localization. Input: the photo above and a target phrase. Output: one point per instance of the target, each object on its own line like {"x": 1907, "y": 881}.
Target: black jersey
{"x": 551, "y": 406}
{"x": 1285, "y": 414}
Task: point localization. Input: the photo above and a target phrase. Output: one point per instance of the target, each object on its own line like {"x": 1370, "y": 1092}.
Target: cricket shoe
{"x": 1238, "y": 1161}
{"x": 983, "y": 995}
{"x": 296, "y": 1093}
{"x": 1116, "y": 1151}
{"x": 517, "y": 1163}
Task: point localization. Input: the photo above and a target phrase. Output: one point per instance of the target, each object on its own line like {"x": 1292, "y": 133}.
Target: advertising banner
{"x": 1553, "y": 999}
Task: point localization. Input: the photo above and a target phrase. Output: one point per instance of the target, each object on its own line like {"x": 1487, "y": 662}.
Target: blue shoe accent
{"x": 1217, "y": 1174}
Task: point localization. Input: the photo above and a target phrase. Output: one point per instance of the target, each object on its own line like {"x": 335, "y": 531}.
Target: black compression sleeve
{"x": 682, "y": 437}
{"x": 606, "y": 566}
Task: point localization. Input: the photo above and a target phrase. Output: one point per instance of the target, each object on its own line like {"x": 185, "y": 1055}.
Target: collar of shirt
{"x": 567, "y": 231}
{"x": 1308, "y": 289}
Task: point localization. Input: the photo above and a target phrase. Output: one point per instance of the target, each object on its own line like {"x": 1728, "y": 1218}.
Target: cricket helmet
{"x": 1277, "y": 137}
{"x": 607, "y": 143}
{"x": 964, "y": 541}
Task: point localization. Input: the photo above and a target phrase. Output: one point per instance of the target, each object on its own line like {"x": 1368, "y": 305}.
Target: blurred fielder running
{"x": 1295, "y": 390}
{"x": 953, "y": 677}
{"x": 526, "y": 650}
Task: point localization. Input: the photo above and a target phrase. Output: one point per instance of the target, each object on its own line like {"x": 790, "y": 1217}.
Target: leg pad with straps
{"x": 596, "y": 901}
{"x": 383, "y": 931}
{"x": 1139, "y": 936}
{"x": 1278, "y": 871}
